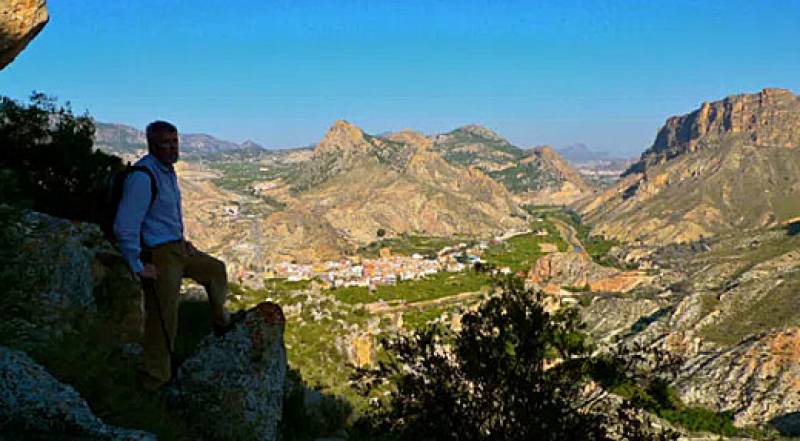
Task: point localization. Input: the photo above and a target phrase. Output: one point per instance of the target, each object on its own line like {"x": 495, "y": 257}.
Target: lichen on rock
{"x": 236, "y": 382}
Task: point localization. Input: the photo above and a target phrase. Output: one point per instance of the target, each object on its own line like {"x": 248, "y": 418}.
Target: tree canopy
{"x": 47, "y": 159}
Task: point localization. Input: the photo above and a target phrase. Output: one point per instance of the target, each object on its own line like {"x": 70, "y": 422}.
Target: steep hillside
{"x": 728, "y": 306}
{"x": 351, "y": 185}
{"x": 542, "y": 176}
{"x": 359, "y": 183}
{"x": 538, "y": 176}
{"x": 730, "y": 165}
{"x": 478, "y": 146}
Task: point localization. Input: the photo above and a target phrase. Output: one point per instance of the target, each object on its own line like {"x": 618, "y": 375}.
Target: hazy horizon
{"x": 606, "y": 74}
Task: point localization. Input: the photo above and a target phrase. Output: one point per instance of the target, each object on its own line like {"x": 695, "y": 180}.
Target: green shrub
{"x": 492, "y": 381}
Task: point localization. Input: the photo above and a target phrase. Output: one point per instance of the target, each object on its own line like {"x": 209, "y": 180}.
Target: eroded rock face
{"x": 758, "y": 379}
{"x": 731, "y": 165}
{"x": 20, "y": 21}
{"x": 728, "y": 309}
{"x": 32, "y": 402}
{"x": 233, "y": 385}
{"x": 607, "y": 317}
{"x": 769, "y": 118}
{"x": 567, "y": 269}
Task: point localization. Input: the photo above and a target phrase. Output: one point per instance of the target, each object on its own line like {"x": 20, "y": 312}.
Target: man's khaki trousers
{"x": 173, "y": 262}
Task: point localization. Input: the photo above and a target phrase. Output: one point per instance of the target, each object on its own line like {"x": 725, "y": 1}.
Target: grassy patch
{"x": 435, "y": 286}
{"x": 520, "y": 252}
{"x": 663, "y": 401}
{"x": 777, "y": 309}
{"x": 596, "y": 246}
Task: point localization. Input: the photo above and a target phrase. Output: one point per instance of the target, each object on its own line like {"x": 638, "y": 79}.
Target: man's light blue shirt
{"x": 138, "y": 221}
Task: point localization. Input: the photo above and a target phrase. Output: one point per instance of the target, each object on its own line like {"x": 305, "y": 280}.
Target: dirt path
{"x": 386, "y": 308}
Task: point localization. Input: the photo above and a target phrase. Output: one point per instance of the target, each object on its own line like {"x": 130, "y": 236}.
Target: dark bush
{"x": 514, "y": 372}
{"x": 47, "y": 159}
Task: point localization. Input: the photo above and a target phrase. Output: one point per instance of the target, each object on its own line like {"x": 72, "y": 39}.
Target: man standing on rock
{"x": 150, "y": 235}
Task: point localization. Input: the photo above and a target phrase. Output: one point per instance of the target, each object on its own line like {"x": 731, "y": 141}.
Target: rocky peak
{"x": 481, "y": 131}
{"x": 555, "y": 161}
{"x": 770, "y": 118}
{"x": 250, "y": 144}
{"x": 545, "y": 151}
{"x": 412, "y": 137}
{"x": 342, "y": 136}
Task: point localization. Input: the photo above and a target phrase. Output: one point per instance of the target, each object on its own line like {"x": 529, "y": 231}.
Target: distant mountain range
{"x": 122, "y": 139}
{"x": 536, "y": 175}
{"x": 579, "y": 153}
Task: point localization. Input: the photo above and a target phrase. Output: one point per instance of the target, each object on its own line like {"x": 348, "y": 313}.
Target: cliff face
{"x": 20, "y": 22}
{"x": 770, "y": 118}
{"x": 730, "y": 165}
{"x": 757, "y": 379}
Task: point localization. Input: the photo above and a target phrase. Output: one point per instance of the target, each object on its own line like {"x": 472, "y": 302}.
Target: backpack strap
{"x": 153, "y": 186}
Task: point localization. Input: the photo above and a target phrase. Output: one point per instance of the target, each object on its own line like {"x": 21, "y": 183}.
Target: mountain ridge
{"x": 731, "y": 164}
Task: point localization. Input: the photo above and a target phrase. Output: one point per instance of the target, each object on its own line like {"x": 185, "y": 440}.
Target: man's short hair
{"x": 158, "y": 127}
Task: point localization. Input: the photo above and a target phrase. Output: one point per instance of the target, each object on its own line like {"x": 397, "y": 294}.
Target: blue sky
{"x": 603, "y": 73}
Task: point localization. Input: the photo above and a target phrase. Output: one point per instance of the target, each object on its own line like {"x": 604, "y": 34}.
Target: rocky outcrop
{"x": 342, "y": 137}
{"x": 233, "y": 386}
{"x": 566, "y": 171}
{"x": 623, "y": 281}
{"x": 567, "y": 269}
{"x": 50, "y": 276}
{"x": 770, "y": 118}
{"x": 731, "y": 165}
{"x": 607, "y": 317}
{"x": 757, "y": 379}
{"x": 61, "y": 275}
{"x": 728, "y": 307}
{"x": 20, "y": 22}
{"x": 34, "y": 404}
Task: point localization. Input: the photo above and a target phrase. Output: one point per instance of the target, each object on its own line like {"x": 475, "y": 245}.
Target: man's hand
{"x": 148, "y": 272}
{"x": 191, "y": 250}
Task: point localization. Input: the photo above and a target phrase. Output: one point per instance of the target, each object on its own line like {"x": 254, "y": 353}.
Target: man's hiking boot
{"x": 236, "y": 317}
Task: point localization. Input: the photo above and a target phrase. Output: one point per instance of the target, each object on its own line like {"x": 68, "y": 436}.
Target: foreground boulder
{"x": 20, "y": 21}
{"x": 34, "y": 404}
{"x": 47, "y": 269}
{"x": 59, "y": 274}
{"x": 234, "y": 384}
